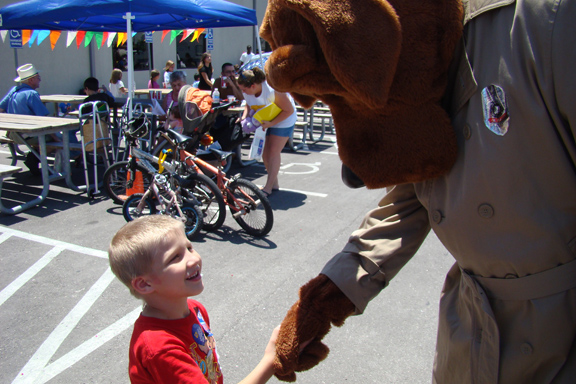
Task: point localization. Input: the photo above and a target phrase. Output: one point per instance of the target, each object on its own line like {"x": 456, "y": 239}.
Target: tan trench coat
{"x": 506, "y": 211}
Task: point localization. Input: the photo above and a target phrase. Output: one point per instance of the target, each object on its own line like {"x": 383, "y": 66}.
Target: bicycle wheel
{"x": 211, "y": 200}
{"x": 252, "y": 210}
{"x": 193, "y": 223}
{"x": 116, "y": 180}
{"x": 130, "y": 207}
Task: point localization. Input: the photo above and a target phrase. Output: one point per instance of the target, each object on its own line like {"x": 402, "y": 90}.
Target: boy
{"x": 171, "y": 341}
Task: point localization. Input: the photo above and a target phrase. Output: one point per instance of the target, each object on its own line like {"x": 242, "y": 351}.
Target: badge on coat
{"x": 496, "y": 116}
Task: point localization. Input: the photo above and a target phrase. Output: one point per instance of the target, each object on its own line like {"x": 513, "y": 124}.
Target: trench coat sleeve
{"x": 562, "y": 60}
{"x": 387, "y": 239}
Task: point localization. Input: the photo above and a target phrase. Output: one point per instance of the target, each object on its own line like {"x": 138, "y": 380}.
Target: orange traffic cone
{"x": 137, "y": 186}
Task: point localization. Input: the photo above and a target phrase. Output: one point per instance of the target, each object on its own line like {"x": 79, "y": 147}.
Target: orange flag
{"x": 54, "y": 36}
{"x": 26, "y": 33}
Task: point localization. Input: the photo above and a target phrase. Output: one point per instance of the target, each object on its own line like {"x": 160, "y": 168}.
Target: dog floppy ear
{"x": 320, "y": 48}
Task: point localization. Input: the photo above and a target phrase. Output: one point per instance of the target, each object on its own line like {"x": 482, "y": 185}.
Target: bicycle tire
{"x": 212, "y": 202}
{"x": 194, "y": 222}
{"x": 130, "y": 204}
{"x": 255, "y": 216}
{"x": 116, "y": 178}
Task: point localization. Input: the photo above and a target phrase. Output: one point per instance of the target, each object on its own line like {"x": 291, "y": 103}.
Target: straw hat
{"x": 25, "y": 72}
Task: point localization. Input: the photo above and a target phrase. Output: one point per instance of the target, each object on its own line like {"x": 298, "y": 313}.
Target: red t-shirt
{"x": 174, "y": 351}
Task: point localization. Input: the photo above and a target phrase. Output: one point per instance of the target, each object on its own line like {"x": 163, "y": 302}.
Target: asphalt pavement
{"x": 66, "y": 319}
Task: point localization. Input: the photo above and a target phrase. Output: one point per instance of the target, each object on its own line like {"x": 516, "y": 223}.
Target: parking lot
{"x": 66, "y": 319}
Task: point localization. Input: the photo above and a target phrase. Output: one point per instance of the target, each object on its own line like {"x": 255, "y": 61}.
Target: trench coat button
{"x": 485, "y": 211}
{"x": 437, "y": 216}
{"x": 526, "y": 349}
{"x": 467, "y": 131}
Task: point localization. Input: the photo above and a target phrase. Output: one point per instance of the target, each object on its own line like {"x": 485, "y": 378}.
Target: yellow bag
{"x": 268, "y": 113}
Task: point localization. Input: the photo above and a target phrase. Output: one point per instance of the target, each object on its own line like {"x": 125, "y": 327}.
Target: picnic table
{"x": 38, "y": 126}
{"x": 57, "y": 99}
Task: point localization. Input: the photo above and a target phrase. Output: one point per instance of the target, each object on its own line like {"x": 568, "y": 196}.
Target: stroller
{"x": 200, "y": 117}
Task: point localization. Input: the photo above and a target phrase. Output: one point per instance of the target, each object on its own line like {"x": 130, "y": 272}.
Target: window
{"x": 140, "y": 47}
{"x": 189, "y": 53}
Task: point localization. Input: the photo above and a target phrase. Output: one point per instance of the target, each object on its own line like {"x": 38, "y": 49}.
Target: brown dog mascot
{"x": 503, "y": 209}
{"x": 386, "y": 110}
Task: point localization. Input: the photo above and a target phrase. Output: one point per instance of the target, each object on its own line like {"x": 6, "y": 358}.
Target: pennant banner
{"x": 54, "y": 36}
{"x": 110, "y": 40}
{"x": 42, "y": 35}
{"x": 79, "y": 37}
{"x": 70, "y": 38}
{"x": 101, "y": 38}
{"x": 25, "y": 36}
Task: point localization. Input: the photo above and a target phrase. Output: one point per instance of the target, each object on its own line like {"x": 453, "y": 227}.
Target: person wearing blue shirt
{"x": 23, "y": 99}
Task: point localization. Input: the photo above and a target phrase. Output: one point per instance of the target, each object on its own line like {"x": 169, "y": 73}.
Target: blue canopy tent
{"x": 125, "y": 16}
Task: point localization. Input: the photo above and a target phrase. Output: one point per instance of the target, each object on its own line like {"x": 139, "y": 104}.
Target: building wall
{"x": 63, "y": 70}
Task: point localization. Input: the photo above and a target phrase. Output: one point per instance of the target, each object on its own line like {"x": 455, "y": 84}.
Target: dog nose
{"x": 350, "y": 179}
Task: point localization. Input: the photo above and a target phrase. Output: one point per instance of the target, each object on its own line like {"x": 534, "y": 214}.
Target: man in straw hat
{"x": 23, "y": 99}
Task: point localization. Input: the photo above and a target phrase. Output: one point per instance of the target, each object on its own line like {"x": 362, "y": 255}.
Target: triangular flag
{"x": 43, "y": 34}
{"x": 110, "y": 40}
{"x": 124, "y": 38}
{"x": 70, "y": 38}
{"x": 79, "y": 37}
{"x": 33, "y": 37}
{"x": 98, "y": 38}
{"x": 173, "y": 35}
{"x": 196, "y": 34}
{"x": 164, "y": 33}
{"x": 54, "y": 36}
{"x": 88, "y": 38}
{"x": 104, "y": 39}
{"x": 3, "y": 35}
{"x": 185, "y": 34}
{"x": 120, "y": 38}
{"x": 26, "y": 36}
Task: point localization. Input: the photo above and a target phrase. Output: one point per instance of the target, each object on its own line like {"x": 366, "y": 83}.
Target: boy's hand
{"x": 299, "y": 345}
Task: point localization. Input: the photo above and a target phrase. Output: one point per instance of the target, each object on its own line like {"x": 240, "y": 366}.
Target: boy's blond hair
{"x": 133, "y": 247}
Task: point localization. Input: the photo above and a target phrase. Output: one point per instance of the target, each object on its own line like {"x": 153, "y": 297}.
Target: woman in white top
{"x": 259, "y": 94}
{"x": 117, "y": 88}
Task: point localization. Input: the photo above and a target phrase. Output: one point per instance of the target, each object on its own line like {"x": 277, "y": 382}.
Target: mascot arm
{"x": 388, "y": 237}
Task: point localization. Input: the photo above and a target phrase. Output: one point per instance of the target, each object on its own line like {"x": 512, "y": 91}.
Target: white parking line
{"x": 14, "y": 286}
{"x": 39, "y": 369}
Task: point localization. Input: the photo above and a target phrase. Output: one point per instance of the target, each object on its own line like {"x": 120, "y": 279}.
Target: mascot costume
{"x": 474, "y": 138}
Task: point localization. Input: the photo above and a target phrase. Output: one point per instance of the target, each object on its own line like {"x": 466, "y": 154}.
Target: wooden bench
{"x": 12, "y": 146}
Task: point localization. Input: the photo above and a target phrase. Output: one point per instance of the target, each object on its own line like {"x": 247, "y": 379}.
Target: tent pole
{"x": 129, "y": 19}
{"x": 256, "y": 29}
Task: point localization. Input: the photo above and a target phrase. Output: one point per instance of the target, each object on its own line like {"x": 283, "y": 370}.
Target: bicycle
{"x": 174, "y": 202}
{"x": 248, "y": 204}
{"x": 125, "y": 178}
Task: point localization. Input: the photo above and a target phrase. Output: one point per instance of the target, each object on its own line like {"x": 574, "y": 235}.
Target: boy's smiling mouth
{"x": 193, "y": 276}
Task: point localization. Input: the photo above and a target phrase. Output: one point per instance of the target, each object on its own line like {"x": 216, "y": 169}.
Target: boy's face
{"x": 177, "y": 267}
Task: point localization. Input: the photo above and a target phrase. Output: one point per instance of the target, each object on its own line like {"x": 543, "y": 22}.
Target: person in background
{"x": 168, "y": 69}
{"x": 246, "y": 56}
{"x": 196, "y": 82}
{"x": 177, "y": 81}
{"x": 23, "y": 99}
{"x": 116, "y": 85}
{"x": 258, "y": 94}
{"x": 172, "y": 341}
{"x": 205, "y": 70}
{"x": 227, "y": 84}
{"x": 154, "y": 76}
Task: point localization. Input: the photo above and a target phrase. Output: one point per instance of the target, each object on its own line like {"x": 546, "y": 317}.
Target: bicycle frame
{"x": 200, "y": 166}
{"x": 161, "y": 181}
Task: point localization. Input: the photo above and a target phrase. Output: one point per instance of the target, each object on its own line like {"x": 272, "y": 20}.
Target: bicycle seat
{"x": 221, "y": 154}
{"x": 179, "y": 138}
